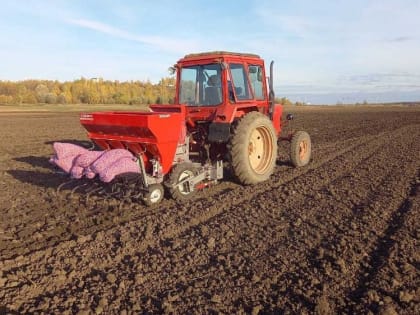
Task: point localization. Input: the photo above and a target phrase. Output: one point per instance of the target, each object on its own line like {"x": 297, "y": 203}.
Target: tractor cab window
{"x": 240, "y": 84}
{"x": 201, "y": 85}
{"x": 256, "y": 79}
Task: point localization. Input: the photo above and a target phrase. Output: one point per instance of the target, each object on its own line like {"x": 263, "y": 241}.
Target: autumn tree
{"x": 87, "y": 91}
{"x": 41, "y": 91}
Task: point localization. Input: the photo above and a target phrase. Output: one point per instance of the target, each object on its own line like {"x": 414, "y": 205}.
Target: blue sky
{"x": 324, "y": 51}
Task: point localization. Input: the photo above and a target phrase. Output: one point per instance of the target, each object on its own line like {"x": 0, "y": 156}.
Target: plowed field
{"x": 339, "y": 236}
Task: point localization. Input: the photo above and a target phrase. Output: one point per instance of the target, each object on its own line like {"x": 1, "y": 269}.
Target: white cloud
{"x": 287, "y": 25}
{"x": 179, "y": 46}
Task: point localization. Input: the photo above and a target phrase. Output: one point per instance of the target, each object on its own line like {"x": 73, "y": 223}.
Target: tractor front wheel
{"x": 179, "y": 186}
{"x": 253, "y": 149}
{"x": 300, "y": 148}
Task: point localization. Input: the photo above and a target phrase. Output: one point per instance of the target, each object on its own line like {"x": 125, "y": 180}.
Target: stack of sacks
{"x": 64, "y": 155}
{"x": 113, "y": 163}
{"x": 80, "y": 162}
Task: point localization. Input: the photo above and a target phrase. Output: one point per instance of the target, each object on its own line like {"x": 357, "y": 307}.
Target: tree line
{"x": 87, "y": 91}
{"x": 91, "y": 91}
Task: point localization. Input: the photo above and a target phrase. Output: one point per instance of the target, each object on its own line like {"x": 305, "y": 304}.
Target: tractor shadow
{"x": 283, "y": 156}
{"x": 51, "y": 179}
{"x": 35, "y": 161}
{"x": 83, "y": 143}
{"x": 6, "y": 311}
{"x": 43, "y": 162}
{"x": 40, "y": 179}
{"x": 284, "y": 163}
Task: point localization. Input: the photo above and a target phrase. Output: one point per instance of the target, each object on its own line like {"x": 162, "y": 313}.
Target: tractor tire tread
{"x": 298, "y": 137}
{"x": 240, "y": 166}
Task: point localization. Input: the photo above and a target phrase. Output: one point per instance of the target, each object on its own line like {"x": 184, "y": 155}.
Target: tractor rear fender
{"x": 219, "y": 130}
{"x": 277, "y": 113}
{"x": 227, "y": 113}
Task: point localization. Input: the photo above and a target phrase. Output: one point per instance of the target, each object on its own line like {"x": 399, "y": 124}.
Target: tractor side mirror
{"x": 172, "y": 70}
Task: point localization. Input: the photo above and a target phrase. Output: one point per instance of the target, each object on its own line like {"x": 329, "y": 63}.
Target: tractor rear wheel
{"x": 154, "y": 196}
{"x": 300, "y": 148}
{"x": 179, "y": 187}
{"x": 253, "y": 149}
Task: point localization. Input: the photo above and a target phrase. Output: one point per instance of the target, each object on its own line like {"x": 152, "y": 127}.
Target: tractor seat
{"x": 213, "y": 80}
{"x": 213, "y": 92}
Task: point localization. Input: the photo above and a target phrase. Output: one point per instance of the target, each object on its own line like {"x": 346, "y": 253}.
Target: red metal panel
{"x": 278, "y": 111}
{"x": 157, "y": 133}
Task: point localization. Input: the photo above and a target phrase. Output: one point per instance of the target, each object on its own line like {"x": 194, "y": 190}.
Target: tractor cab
{"x": 221, "y": 86}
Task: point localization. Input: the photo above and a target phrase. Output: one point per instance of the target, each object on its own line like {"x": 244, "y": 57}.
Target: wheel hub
{"x": 155, "y": 195}
{"x": 303, "y": 149}
{"x": 260, "y": 149}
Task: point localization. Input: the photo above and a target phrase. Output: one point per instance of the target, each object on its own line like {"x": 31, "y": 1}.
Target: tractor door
{"x": 238, "y": 83}
{"x": 246, "y": 83}
{"x": 256, "y": 77}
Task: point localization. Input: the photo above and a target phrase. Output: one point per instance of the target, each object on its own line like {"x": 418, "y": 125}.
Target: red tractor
{"x": 225, "y": 116}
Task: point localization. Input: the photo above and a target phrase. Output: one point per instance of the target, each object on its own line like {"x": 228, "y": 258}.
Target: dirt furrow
{"x": 93, "y": 215}
{"x": 216, "y": 210}
{"x": 248, "y": 192}
{"x": 339, "y": 242}
{"x": 385, "y": 262}
{"x": 337, "y": 236}
{"x": 255, "y": 241}
{"x": 279, "y": 241}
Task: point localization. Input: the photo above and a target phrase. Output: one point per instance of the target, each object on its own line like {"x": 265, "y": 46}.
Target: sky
{"x": 325, "y": 51}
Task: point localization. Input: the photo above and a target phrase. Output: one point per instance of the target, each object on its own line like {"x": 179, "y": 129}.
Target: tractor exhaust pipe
{"x": 271, "y": 95}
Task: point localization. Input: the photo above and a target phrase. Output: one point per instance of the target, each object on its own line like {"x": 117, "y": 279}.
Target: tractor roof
{"x": 220, "y": 53}
{"x": 217, "y": 54}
